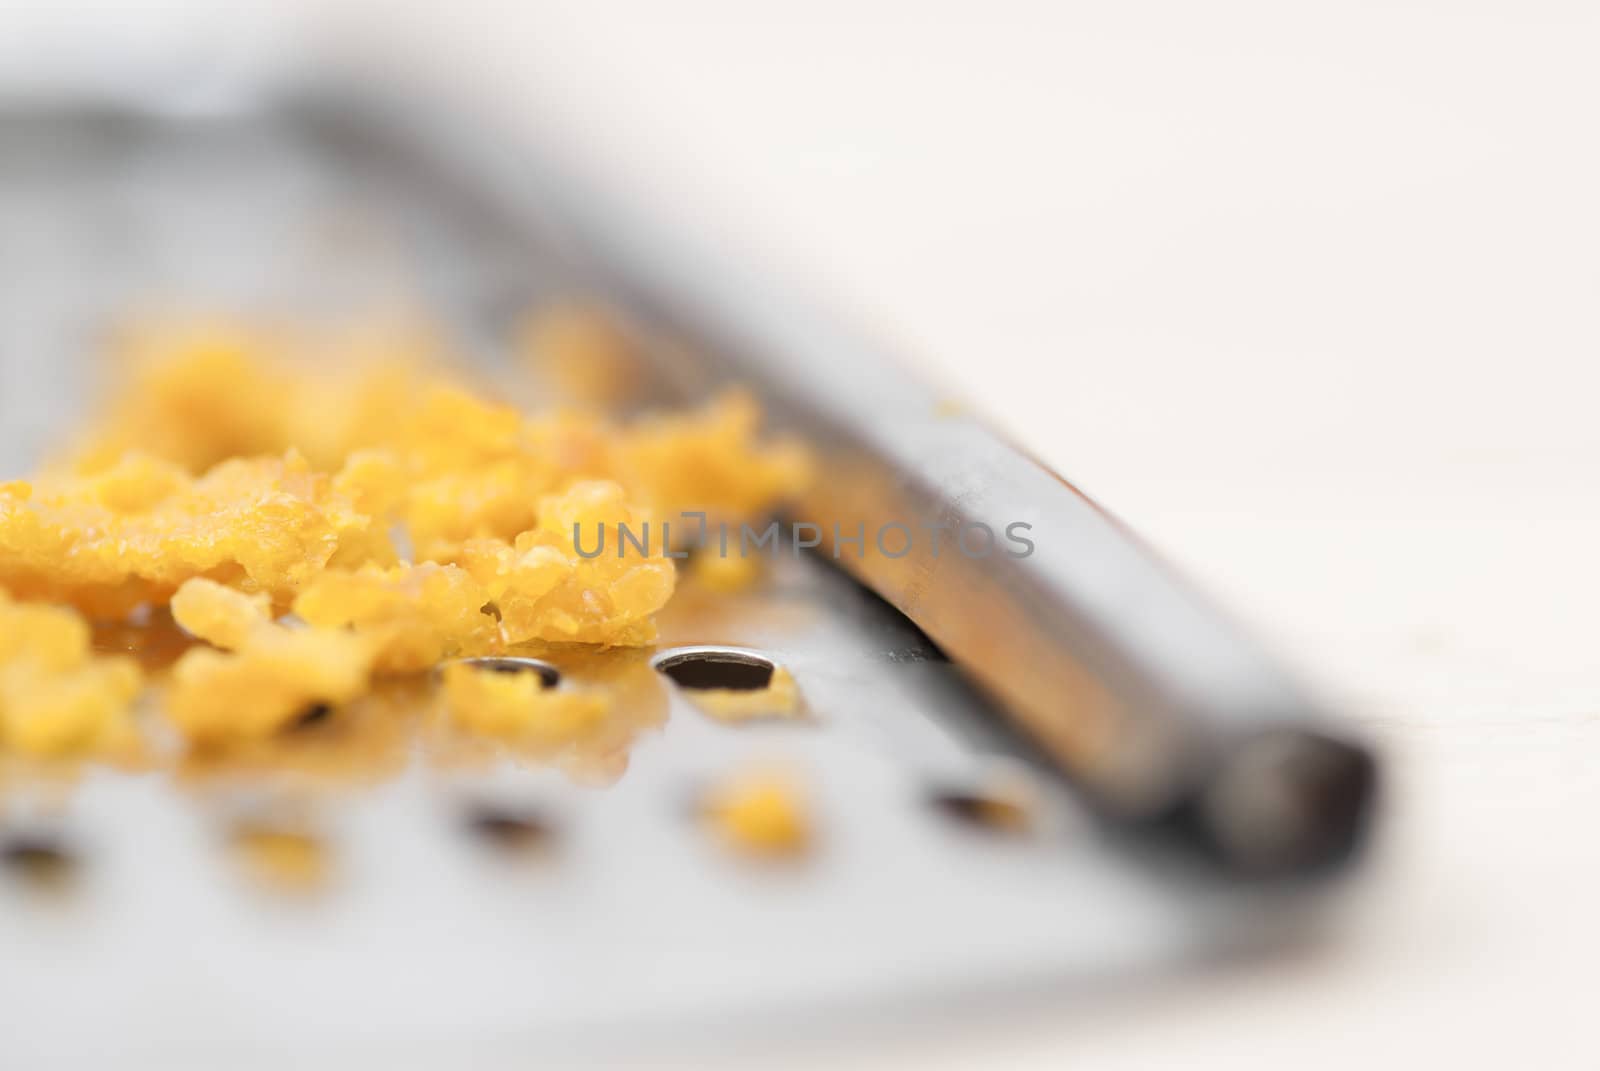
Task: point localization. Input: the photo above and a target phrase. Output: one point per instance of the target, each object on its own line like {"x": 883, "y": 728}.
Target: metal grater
{"x": 631, "y": 930}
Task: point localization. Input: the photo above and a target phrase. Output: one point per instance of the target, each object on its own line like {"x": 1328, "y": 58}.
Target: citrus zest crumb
{"x": 517, "y": 707}
{"x": 220, "y": 697}
{"x": 218, "y": 614}
{"x": 57, "y": 698}
{"x": 759, "y": 813}
{"x": 287, "y": 860}
{"x": 779, "y": 699}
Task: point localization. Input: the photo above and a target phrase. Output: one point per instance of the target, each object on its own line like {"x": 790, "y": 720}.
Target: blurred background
{"x": 1305, "y": 293}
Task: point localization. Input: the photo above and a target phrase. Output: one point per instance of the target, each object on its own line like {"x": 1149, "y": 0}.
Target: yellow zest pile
{"x": 315, "y": 526}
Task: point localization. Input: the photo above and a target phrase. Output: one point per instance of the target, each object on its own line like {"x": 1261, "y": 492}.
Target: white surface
{"x": 1307, "y": 294}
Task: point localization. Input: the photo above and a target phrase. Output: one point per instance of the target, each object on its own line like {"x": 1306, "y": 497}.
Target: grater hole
{"x": 991, "y": 812}
{"x": 507, "y": 828}
{"x": 311, "y": 717}
{"x": 549, "y": 675}
{"x": 38, "y": 859}
{"x": 718, "y": 668}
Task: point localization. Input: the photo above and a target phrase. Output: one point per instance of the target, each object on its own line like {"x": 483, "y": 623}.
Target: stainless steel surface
{"x": 633, "y": 929}
{"x": 1160, "y": 710}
